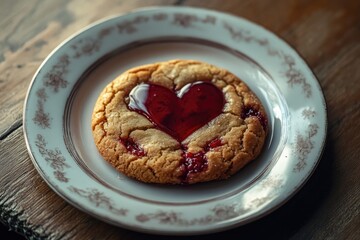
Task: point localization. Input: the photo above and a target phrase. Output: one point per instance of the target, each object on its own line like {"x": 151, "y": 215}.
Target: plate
{"x": 63, "y": 92}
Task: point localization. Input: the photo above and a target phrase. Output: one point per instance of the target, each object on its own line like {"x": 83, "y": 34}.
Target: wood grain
{"x": 325, "y": 33}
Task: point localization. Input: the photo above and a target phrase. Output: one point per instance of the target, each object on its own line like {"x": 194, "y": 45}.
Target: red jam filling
{"x": 179, "y": 113}
{"x": 248, "y": 111}
{"x": 196, "y": 162}
{"x": 213, "y": 144}
{"x": 132, "y": 147}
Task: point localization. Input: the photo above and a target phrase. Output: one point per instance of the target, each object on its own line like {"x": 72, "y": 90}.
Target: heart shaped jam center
{"x": 179, "y": 113}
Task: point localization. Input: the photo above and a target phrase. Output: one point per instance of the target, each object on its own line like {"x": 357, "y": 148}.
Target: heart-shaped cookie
{"x": 178, "y": 113}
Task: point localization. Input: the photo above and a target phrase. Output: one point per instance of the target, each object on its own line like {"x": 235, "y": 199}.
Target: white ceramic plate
{"x": 61, "y": 97}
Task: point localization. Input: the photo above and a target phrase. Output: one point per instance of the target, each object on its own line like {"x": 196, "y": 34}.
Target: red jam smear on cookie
{"x": 249, "y": 111}
{"x": 193, "y": 163}
{"x": 180, "y": 113}
{"x": 213, "y": 144}
{"x": 132, "y": 147}
{"x": 196, "y": 162}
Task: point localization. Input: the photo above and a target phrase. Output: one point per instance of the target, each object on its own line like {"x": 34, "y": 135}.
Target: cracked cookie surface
{"x": 135, "y": 146}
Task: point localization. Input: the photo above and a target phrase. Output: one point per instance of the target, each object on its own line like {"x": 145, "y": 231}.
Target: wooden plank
{"x": 327, "y": 35}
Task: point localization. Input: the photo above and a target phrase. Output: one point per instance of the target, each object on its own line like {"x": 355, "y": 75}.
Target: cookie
{"x": 177, "y": 122}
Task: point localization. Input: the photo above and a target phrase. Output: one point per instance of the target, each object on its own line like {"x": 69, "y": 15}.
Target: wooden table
{"x": 325, "y": 33}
